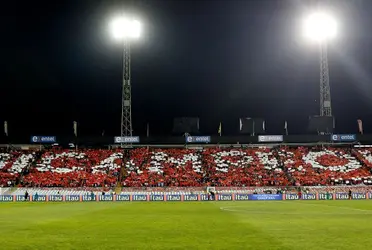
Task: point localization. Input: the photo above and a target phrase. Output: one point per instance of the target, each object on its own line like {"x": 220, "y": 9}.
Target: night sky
{"x": 217, "y": 60}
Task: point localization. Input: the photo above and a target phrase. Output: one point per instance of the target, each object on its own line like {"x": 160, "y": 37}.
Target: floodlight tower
{"x": 126, "y": 30}
{"x": 321, "y": 28}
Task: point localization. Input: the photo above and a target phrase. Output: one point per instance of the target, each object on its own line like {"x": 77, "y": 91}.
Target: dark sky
{"x": 217, "y": 60}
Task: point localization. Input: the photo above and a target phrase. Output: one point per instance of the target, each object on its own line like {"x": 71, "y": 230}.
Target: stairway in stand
{"x": 274, "y": 150}
{"x": 123, "y": 172}
{"x": 359, "y": 158}
{"x": 118, "y": 188}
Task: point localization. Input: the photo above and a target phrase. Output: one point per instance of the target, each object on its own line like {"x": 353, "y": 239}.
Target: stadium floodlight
{"x": 126, "y": 30}
{"x": 320, "y": 27}
{"x": 123, "y": 28}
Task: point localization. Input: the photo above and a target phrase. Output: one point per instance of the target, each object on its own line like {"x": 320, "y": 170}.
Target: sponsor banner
{"x": 270, "y": 138}
{"x": 123, "y": 197}
{"x": 191, "y": 197}
{"x": 309, "y": 196}
{"x": 72, "y": 198}
{"x": 106, "y": 198}
{"x": 43, "y": 139}
{"x": 139, "y": 197}
{"x": 241, "y": 197}
{"x": 303, "y": 197}
{"x": 55, "y": 198}
{"x": 343, "y": 138}
{"x": 225, "y": 197}
{"x": 6, "y": 198}
{"x": 341, "y": 196}
{"x": 265, "y": 197}
{"x": 39, "y": 198}
{"x": 204, "y": 197}
{"x": 359, "y": 196}
{"x": 127, "y": 139}
{"x": 21, "y": 198}
{"x": 291, "y": 197}
{"x": 174, "y": 197}
{"x": 89, "y": 198}
{"x": 156, "y": 197}
{"x": 198, "y": 139}
{"x": 325, "y": 196}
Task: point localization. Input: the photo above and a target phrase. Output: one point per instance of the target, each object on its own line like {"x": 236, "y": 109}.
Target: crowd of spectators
{"x": 179, "y": 167}
{"x": 324, "y": 166}
{"x": 243, "y": 167}
{"x": 66, "y": 168}
{"x": 12, "y": 164}
{"x": 164, "y": 167}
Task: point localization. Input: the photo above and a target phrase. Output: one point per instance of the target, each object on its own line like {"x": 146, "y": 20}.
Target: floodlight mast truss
{"x": 126, "y": 106}
{"x": 325, "y": 91}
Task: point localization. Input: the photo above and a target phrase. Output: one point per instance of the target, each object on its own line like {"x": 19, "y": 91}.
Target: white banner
{"x": 270, "y": 138}
{"x": 126, "y": 139}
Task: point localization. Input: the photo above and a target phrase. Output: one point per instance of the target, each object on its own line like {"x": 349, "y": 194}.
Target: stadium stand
{"x": 12, "y": 165}
{"x": 243, "y": 167}
{"x": 65, "y": 168}
{"x": 365, "y": 156}
{"x": 179, "y": 168}
{"x": 4, "y": 190}
{"x": 325, "y": 166}
{"x": 164, "y": 167}
{"x": 55, "y": 191}
{"x": 189, "y": 190}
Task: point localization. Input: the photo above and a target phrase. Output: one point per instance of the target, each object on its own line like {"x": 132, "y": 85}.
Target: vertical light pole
{"x": 126, "y": 30}
{"x": 321, "y": 28}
